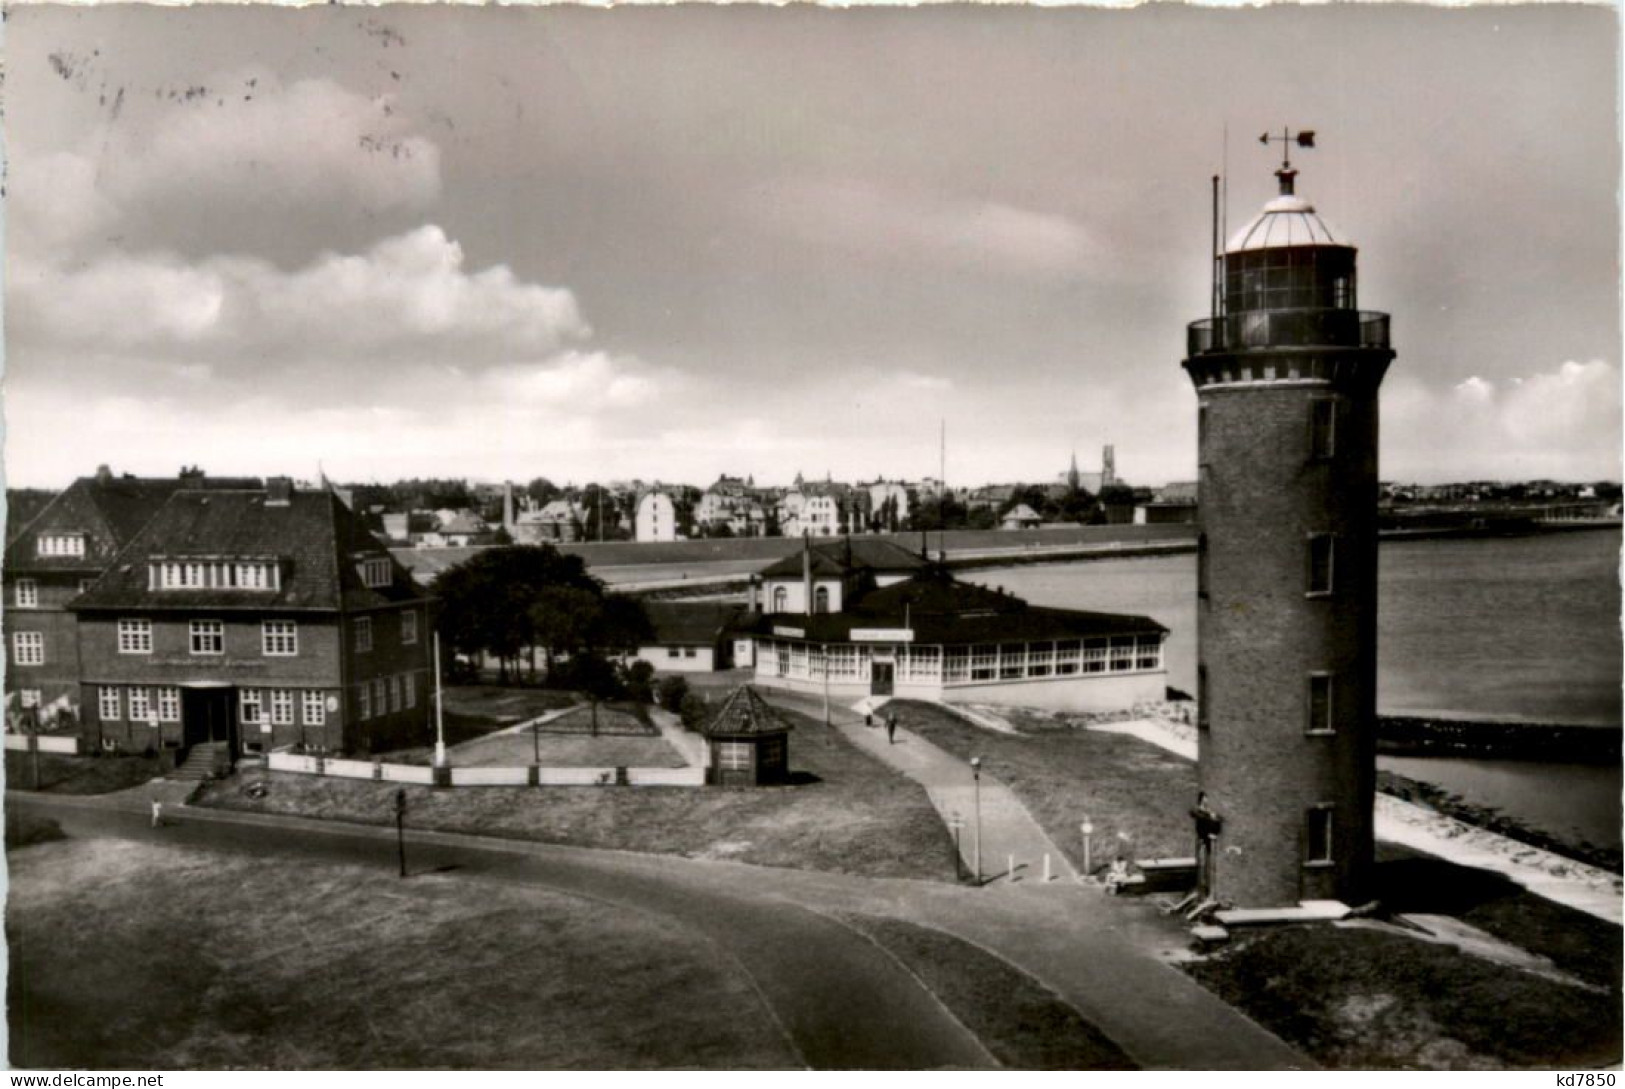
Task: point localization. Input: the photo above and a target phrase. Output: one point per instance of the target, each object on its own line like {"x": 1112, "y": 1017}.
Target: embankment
{"x": 1404, "y": 735}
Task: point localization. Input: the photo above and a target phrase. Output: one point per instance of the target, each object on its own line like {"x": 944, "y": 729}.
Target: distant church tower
{"x": 1108, "y": 467}
{"x": 1286, "y": 373}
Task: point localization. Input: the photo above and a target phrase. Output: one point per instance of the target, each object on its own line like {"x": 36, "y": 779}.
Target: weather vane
{"x": 1306, "y": 138}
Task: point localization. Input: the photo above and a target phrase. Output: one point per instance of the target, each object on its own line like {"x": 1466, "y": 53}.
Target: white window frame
{"x": 394, "y": 690}
{"x": 1148, "y": 652}
{"x": 169, "y": 703}
{"x": 380, "y": 696}
{"x": 364, "y": 703}
{"x": 1327, "y": 724}
{"x": 1095, "y": 655}
{"x": 1329, "y": 587}
{"x": 363, "y": 634}
{"x": 733, "y": 755}
{"x": 1122, "y": 656}
{"x": 281, "y": 707}
{"x": 411, "y": 686}
{"x": 109, "y": 704}
{"x": 409, "y": 627}
{"x": 376, "y": 572}
{"x": 313, "y": 708}
{"x": 140, "y": 700}
{"x": 28, "y": 699}
{"x": 1311, "y": 855}
{"x": 61, "y": 544}
{"x": 26, "y": 595}
{"x": 27, "y": 648}
{"x": 135, "y": 637}
{"x": 279, "y": 638}
{"x": 251, "y": 706}
{"x": 201, "y": 633}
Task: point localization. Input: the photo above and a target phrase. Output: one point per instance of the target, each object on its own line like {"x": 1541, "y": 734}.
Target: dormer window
{"x": 61, "y": 544}
{"x": 377, "y": 571}
{"x": 214, "y": 573}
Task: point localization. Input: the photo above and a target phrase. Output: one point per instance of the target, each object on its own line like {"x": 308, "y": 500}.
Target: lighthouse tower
{"x": 1286, "y": 373}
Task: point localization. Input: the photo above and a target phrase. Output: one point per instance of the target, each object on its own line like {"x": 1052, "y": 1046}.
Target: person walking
{"x": 891, "y": 728}
{"x": 157, "y": 812}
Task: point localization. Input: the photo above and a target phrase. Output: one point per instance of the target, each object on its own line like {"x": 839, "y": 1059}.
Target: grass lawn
{"x": 1126, "y": 787}
{"x": 1024, "y": 1024}
{"x": 199, "y": 960}
{"x": 566, "y": 751}
{"x": 1364, "y": 999}
{"x": 628, "y": 719}
{"x": 843, "y": 813}
{"x": 63, "y": 774}
{"x": 505, "y": 704}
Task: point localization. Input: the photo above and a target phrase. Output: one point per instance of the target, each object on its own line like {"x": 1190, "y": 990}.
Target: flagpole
{"x": 439, "y": 706}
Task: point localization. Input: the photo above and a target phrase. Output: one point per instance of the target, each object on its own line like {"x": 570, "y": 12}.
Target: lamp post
{"x": 1088, "y": 829}
{"x": 400, "y": 827}
{"x": 439, "y": 712}
{"x": 825, "y": 671}
{"x": 956, "y": 822}
{"x": 976, "y": 789}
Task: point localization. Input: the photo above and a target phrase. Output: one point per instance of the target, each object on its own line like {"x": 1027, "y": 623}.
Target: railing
{"x": 1288, "y": 329}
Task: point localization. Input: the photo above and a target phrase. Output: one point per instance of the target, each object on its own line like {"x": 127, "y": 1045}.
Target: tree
{"x": 671, "y": 692}
{"x": 542, "y": 490}
{"x": 692, "y": 710}
{"x": 638, "y": 680}
{"x": 487, "y": 601}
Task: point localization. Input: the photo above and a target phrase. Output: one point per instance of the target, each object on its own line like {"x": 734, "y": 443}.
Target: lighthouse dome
{"x": 1288, "y": 220}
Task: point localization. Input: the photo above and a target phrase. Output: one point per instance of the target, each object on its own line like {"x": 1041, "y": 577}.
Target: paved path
{"x": 1007, "y": 828}
{"x": 842, "y": 1002}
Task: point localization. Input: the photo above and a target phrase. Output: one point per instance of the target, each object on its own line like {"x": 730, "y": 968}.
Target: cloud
{"x": 239, "y": 149}
{"x": 882, "y": 225}
{"x": 1562, "y": 424}
{"x": 409, "y": 298}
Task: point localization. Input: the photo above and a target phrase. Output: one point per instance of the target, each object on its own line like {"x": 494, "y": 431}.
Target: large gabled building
{"x": 259, "y": 618}
{"x": 50, "y": 560}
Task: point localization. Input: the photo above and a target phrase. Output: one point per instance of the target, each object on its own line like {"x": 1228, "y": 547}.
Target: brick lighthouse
{"x": 1286, "y": 373}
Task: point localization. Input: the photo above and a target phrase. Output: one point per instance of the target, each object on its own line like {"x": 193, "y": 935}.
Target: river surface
{"x": 1478, "y": 628}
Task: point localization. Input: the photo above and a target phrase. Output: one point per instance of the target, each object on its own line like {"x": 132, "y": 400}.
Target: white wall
{"x": 796, "y": 593}
{"x": 1084, "y": 692}
{"x": 657, "y": 518}
{"x": 704, "y": 660}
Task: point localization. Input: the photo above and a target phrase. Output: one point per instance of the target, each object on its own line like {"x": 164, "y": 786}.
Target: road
{"x": 842, "y": 1002}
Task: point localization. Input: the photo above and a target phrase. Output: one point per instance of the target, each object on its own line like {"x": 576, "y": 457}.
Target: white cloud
{"x": 408, "y": 298}
{"x": 1563, "y": 424}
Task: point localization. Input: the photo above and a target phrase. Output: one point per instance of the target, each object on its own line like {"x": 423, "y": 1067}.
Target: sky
{"x": 670, "y": 243}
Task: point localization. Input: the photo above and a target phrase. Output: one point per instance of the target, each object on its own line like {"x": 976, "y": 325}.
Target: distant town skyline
{"x": 677, "y": 243}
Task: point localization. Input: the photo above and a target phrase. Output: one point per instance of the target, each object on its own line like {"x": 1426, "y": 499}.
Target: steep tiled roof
{"x": 838, "y": 557}
{"x": 108, "y": 510}
{"x": 315, "y": 537}
{"x": 744, "y": 713}
{"x": 697, "y": 623}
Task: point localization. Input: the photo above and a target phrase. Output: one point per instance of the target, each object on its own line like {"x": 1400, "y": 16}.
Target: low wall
{"x": 45, "y": 743}
{"x": 1083, "y": 692}
{"x": 479, "y": 776}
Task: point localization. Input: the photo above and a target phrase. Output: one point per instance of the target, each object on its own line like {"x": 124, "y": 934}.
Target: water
{"x": 1480, "y": 628}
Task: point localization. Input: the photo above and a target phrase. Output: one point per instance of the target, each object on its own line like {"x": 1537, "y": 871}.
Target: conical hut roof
{"x": 744, "y": 713}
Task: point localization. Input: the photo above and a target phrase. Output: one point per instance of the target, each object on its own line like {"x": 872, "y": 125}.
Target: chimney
{"x": 507, "y": 505}
{"x": 278, "y": 491}
{"x": 806, "y": 573}
{"x": 104, "y": 475}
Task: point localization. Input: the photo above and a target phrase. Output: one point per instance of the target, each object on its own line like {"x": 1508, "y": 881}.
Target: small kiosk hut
{"x": 748, "y": 740}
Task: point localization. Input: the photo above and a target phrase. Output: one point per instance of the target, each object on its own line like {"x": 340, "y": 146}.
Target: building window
{"x": 281, "y": 707}
{"x": 411, "y": 685}
{"x": 135, "y": 637}
{"x": 27, "y": 648}
{"x": 821, "y": 600}
{"x": 363, "y": 634}
{"x": 108, "y": 704}
{"x": 1094, "y": 655}
{"x": 1320, "y": 563}
{"x": 409, "y": 627}
{"x": 1322, "y": 428}
{"x": 250, "y": 703}
{"x": 27, "y": 594}
{"x": 1122, "y": 653}
{"x": 380, "y": 696}
{"x": 1068, "y": 656}
{"x": 376, "y": 571}
{"x": 214, "y": 575}
{"x": 140, "y": 705}
{"x": 1320, "y": 704}
{"x": 733, "y": 755}
{"x": 781, "y": 599}
{"x": 1149, "y": 652}
{"x": 313, "y": 708}
{"x": 364, "y": 702}
{"x": 1318, "y": 845}
{"x": 169, "y": 704}
{"x": 62, "y": 544}
{"x": 1012, "y": 661}
{"x": 279, "y": 638}
{"x": 690, "y": 652}
{"x": 208, "y": 637}
{"x": 28, "y": 698}
{"x": 984, "y": 662}
{"x": 393, "y": 688}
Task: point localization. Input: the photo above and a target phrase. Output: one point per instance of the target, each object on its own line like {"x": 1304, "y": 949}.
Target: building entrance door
{"x": 880, "y": 678}
{"x": 207, "y": 715}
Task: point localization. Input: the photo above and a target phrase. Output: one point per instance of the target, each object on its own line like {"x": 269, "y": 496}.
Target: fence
{"x": 26, "y": 742}
{"x": 464, "y": 776}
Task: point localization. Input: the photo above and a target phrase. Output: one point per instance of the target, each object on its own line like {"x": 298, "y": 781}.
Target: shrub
{"x": 693, "y": 710}
{"x": 639, "y": 682}
{"x": 671, "y": 692}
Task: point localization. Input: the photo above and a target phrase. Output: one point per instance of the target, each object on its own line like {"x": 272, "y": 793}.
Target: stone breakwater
{"x": 1406, "y": 735}
{"x": 1547, "y": 873}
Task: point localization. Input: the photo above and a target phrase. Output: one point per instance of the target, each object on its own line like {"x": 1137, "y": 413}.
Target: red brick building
{"x": 1286, "y": 375}
{"x": 261, "y": 618}
{"x": 50, "y": 560}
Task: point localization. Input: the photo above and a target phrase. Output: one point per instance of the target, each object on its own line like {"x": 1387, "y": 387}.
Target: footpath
{"x": 1013, "y": 846}
{"x": 842, "y": 1003}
